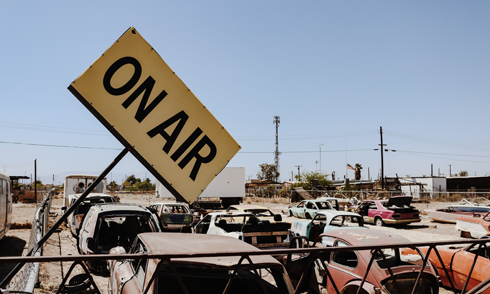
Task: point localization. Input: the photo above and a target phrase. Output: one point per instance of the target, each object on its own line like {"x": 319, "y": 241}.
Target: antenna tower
{"x": 277, "y": 121}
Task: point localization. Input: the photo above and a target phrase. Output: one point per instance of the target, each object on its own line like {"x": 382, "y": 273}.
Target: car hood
{"x": 400, "y": 201}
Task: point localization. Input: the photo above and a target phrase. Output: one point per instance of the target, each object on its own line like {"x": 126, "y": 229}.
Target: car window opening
{"x": 214, "y": 280}
{"x": 121, "y": 231}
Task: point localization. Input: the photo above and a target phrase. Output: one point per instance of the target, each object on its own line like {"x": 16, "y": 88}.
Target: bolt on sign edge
{"x": 146, "y": 106}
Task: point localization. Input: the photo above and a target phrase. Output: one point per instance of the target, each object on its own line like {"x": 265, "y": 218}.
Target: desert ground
{"x": 62, "y": 242}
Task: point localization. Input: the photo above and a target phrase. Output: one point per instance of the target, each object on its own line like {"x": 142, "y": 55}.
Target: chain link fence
{"x": 26, "y": 279}
{"x": 448, "y": 196}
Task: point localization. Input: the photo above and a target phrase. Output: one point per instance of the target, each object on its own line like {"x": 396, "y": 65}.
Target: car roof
{"x": 363, "y": 237}
{"x": 178, "y": 243}
{"x": 170, "y": 203}
{"x": 249, "y": 206}
{"x": 110, "y": 207}
{"x": 90, "y": 195}
{"x": 334, "y": 213}
{"x": 234, "y": 213}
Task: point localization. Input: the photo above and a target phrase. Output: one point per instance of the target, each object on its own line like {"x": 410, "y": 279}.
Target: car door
{"x": 315, "y": 227}
{"x": 299, "y": 210}
{"x": 344, "y": 266}
{"x": 462, "y": 263}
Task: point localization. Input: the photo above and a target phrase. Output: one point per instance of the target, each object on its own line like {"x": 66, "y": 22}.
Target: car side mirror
{"x": 91, "y": 244}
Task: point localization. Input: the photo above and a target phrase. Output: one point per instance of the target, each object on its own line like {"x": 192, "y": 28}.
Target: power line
{"x": 59, "y": 146}
{"x": 40, "y": 128}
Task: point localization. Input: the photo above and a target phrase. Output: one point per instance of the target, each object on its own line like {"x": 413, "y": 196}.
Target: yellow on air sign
{"x": 136, "y": 95}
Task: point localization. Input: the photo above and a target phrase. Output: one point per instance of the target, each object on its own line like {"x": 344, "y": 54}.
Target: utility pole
{"x": 277, "y": 121}
{"x": 382, "y": 163}
{"x": 35, "y": 180}
{"x": 320, "y": 145}
{"x": 450, "y": 170}
{"x": 298, "y": 166}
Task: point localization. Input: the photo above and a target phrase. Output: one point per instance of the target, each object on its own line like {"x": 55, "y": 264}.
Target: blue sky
{"x": 334, "y": 71}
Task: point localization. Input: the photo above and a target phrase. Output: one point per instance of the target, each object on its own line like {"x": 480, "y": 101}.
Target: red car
{"x": 348, "y": 267}
{"x": 393, "y": 211}
{"x": 458, "y": 264}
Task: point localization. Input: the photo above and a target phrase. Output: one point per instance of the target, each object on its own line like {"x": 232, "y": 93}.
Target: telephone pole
{"x": 277, "y": 121}
{"x": 382, "y": 163}
{"x": 321, "y": 157}
{"x": 298, "y": 166}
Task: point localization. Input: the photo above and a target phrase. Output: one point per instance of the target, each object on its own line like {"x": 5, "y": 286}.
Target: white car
{"x": 75, "y": 218}
{"x": 247, "y": 227}
{"x": 325, "y": 221}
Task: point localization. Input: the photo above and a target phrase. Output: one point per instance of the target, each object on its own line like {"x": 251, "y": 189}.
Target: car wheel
{"x": 290, "y": 213}
{"x": 378, "y": 222}
{"x": 308, "y": 216}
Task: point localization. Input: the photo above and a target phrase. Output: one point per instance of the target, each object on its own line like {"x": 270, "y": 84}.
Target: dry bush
{"x": 17, "y": 226}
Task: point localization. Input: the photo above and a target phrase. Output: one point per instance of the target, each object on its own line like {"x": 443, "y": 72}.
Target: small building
{"x": 257, "y": 187}
{"x": 420, "y": 187}
{"x": 468, "y": 184}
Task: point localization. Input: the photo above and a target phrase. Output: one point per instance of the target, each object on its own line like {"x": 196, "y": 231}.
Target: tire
{"x": 378, "y": 222}
{"x": 308, "y": 216}
{"x": 289, "y": 213}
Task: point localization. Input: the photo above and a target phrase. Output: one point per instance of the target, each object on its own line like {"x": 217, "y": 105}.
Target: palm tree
{"x": 357, "y": 172}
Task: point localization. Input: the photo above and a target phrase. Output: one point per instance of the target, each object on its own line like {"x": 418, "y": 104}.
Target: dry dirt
{"x": 63, "y": 243}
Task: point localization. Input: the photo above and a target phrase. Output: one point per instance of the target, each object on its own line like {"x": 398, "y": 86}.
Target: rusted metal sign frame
{"x": 314, "y": 252}
{"x": 70, "y": 209}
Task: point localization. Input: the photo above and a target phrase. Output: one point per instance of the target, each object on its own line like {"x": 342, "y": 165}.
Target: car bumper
{"x": 400, "y": 221}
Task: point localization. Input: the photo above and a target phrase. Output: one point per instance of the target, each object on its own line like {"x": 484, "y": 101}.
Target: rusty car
{"x": 393, "y": 211}
{"x": 174, "y": 216}
{"x": 369, "y": 271}
{"x": 110, "y": 225}
{"x": 215, "y": 274}
{"x": 457, "y": 262}
{"x": 309, "y": 208}
{"x": 247, "y": 227}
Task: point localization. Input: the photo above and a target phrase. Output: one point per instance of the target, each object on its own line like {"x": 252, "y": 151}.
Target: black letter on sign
{"x": 143, "y": 111}
{"x": 199, "y": 159}
{"x": 115, "y": 67}
{"x": 186, "y": 144}
{"x": 182, "y": 118}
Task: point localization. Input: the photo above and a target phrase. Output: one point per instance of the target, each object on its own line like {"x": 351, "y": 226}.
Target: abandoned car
{"x": 326, "y": 221}
{"x": 75, "y": 218}
{"x": 458, "y": 262}
{"x": 247, "y": 227}
{"x": 309, "y": 208}
{"x": 259, "y": 211}
{"x": 393, "y": 211}
{"x": 110, "y": 225}
{"x": 390, "y": 271}
{"x": 173, "y": 215}
{"x": 258, "y": 274}
{"x": 474, "y": 226}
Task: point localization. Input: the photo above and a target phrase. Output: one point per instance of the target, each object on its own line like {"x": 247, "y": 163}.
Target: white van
{"x": 5, "y": 204}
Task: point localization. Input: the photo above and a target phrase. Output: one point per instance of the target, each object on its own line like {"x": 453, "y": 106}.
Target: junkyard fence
{"x": 26, "y": 279}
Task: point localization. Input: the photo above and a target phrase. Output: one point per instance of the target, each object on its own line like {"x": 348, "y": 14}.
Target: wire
{"x": 40, "y": 128}
{"x": 60, "y": 146}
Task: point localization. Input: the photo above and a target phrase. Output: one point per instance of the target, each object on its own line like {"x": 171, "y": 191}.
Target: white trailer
{"x": 77, "y": 184}
{"x": 5, "y": 204}
{"x": 228, "y": 186}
